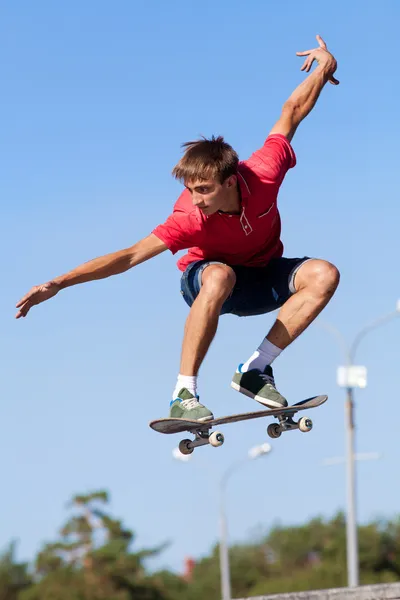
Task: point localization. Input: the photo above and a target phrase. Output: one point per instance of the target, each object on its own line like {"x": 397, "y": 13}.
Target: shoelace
{"x": 190, "y": 403}
{"x": 268, "y": 379}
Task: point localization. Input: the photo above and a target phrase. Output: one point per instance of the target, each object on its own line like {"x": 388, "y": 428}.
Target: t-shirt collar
{"x": 244, "y": 188}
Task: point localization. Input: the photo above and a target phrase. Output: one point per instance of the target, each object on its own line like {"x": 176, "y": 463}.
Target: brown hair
{"x": 206, "y": 159}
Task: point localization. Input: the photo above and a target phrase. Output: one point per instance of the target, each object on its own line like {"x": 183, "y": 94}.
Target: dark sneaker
{"x": 187, "y": 406}
{"x": 259, "y": 385}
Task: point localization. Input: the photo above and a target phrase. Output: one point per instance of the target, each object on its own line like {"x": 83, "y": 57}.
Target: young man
{"x": 228, "y": 219}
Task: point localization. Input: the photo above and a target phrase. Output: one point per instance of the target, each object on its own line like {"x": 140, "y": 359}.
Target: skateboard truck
{"x": 286, "y": 423}
{"x": 202, "y": 438}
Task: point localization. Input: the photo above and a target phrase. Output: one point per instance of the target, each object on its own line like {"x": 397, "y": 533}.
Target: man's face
{"x": 208, "y": 195}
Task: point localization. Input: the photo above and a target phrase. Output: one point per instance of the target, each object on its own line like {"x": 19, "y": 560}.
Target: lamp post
{"x": 252, "y": 454}
{"x": 350, "y": 377}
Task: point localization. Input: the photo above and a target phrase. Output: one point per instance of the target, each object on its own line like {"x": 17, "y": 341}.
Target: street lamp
{"x": 350, "y": 377}
{"x": 252, "y": 454}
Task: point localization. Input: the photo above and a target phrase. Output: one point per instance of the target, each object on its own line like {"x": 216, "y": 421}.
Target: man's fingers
{"x": 304, "y": 65}
{"x": 23, "y": 312}
{"x": 314, "y": 54}
{"x": 36, "y": 295}
{"x": 321, "y": 42}
{"x": 27, "y": 296}
{"x": 307, "y": 64}
{"x": 22, "y": 301}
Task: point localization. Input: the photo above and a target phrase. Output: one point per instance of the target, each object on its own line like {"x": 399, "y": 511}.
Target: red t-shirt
{"x": 251, "y": 238}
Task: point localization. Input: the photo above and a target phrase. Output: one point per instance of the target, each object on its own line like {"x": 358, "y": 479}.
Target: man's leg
{"x": 201, "y": 324}
{"x": 315, "y": 283}
{"x": 217, "y": 283}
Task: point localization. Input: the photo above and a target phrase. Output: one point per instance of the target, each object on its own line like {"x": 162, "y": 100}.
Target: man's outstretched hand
{"x": 323, "y": 58}
{"x": 38, "y": 294}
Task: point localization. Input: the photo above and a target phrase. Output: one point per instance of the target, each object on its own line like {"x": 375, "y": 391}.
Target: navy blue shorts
{"x": 258, "y": 290}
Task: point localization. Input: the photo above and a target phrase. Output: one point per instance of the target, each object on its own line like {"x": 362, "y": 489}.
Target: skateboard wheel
{"x": 216, "y": 439}
{"x": 274, "y": 430}
{"x": 184, "y": 447}
{"x": 305, "y": 424}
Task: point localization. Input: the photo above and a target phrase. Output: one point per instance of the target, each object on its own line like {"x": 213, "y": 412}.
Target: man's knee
{"x": 319, "y": 275}
{"x": 218, "y": 280}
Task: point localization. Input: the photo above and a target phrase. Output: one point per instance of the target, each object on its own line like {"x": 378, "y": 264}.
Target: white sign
{"x": 354, "y": 376}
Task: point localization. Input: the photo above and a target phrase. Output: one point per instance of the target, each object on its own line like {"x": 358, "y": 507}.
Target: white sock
{"x": 265, "y": 355}
{"x": 185, "y": 381}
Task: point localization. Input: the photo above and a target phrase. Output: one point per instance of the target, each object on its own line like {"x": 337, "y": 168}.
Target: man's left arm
{"x": 305, "y": 96}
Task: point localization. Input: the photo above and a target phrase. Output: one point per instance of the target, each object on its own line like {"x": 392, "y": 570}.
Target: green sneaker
{"x": 260, "y": 386}
{"x": 187, "y": 406}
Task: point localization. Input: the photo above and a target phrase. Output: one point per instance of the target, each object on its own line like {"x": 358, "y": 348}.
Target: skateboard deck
{"x": 202, "y": 429}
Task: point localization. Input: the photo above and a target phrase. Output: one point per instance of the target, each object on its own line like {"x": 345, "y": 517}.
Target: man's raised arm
{"x": 98, "y": 268}
{"x": 304, "y": 97}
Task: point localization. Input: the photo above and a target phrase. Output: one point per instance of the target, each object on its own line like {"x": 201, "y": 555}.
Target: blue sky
{"x": 97, "y": 98}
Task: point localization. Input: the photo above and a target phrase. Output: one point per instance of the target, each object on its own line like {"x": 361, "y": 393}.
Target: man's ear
{"x": 231, "y": 181}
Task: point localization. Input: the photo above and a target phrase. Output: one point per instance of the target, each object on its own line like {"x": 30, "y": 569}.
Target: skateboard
{"x": 204, "y": 435}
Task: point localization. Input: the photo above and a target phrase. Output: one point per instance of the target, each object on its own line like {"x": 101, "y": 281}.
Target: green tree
{"x": 14, "y": 576}
{"x": 298, "y": 558}
{"x": 92, "y": 560}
